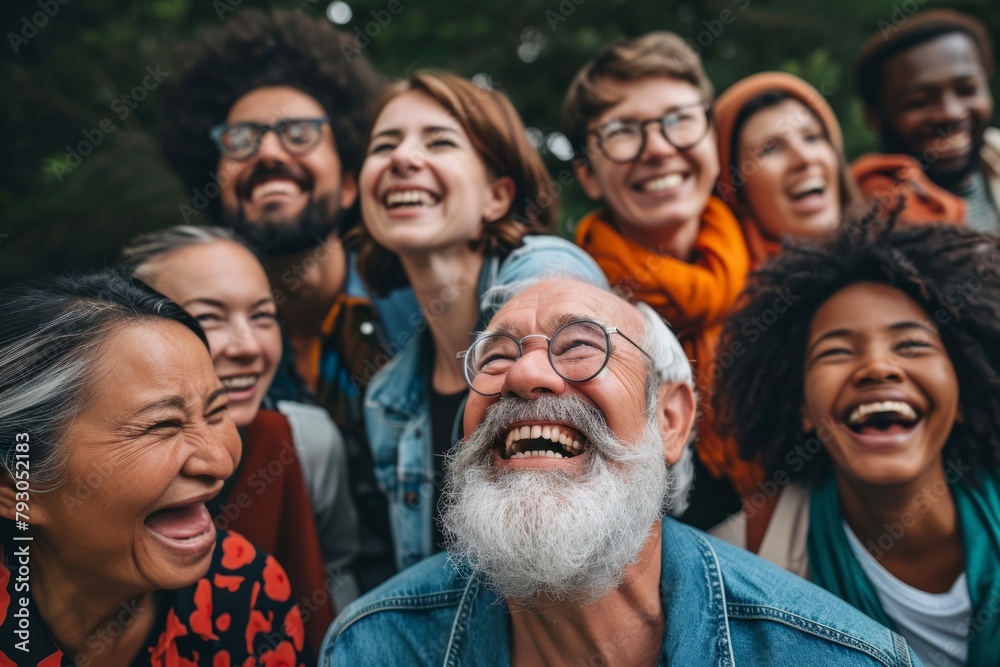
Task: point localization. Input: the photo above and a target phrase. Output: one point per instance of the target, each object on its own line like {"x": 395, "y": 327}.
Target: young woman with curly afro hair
{"x": 864, "y": 375}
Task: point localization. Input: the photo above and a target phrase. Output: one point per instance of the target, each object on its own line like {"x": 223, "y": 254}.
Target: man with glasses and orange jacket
{"x": 640, "y": 114}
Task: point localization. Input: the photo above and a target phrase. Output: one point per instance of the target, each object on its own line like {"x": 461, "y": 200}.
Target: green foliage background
{"x": 61, "y": 83}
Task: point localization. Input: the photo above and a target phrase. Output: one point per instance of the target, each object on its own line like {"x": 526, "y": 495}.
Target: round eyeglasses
{"x": 241, "y": 141}
{"x": 623, "y": 140}
{"x": 578, "y": 351}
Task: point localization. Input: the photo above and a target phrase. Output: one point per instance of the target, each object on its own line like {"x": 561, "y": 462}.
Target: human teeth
{"x": 275, "y": 186}
{"x": 865, "y": 409}
{"x": 239, "y": 382}
{"x": 405, "y": 197}
{"x": 815, "y": 183}
{"x": 663, "y": 183}
{"x": 552, "y": 433}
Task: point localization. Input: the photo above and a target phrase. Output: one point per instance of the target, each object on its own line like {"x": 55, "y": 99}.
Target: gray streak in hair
{"x": 147, "y": 247}
{"x": 50, "y": 333}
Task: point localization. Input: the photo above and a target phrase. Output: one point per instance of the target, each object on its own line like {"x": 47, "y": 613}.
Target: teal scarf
{"x": 834, "y": 567}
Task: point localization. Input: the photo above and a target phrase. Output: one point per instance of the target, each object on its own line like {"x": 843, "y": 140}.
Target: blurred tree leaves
{"x": 60, "y": 78}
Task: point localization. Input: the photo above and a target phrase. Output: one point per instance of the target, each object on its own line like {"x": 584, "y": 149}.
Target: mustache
{"x": 570, "y": 410}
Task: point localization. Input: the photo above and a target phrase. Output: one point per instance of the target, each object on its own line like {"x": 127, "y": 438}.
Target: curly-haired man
{"x": 268, "y": 107}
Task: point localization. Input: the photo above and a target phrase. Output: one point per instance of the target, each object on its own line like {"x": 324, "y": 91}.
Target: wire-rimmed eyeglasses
{"x": 577, "y": 351}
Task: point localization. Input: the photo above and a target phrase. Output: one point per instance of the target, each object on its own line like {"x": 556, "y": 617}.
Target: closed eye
{"x": 218, "y": 413}
{"x": 914, "y": 344}
{"x": 159, "y": 427}
{"x": 618, "y": 128}
{"x": 381, "y": 147}
{"x": 768, "y": 148}
{"x": 676, "y": 118}
{"x": 832, "y": 352}
{"x": 497, "y": 359}
{"x": 916, "y": 102}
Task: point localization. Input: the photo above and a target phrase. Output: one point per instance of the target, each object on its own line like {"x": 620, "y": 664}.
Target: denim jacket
{"x": 723, "y": 607}
{"x": 397, "y": 405}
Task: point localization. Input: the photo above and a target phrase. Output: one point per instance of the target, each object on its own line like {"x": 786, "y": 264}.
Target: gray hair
{"x": 670, "y": 364}
{"x": 147, "y": 247}
{"x": 50, "y": 333}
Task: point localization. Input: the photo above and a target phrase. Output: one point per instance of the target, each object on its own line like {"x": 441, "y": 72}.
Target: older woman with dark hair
{"x": 114, "y": 433}
{"x": 455, "y": 201}
{"x": 290, "y": 496}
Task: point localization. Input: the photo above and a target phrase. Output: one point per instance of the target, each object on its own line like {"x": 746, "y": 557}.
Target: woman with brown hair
{"x": 455, "y": 202}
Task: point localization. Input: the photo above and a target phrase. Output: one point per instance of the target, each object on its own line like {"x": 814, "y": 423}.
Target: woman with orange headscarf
{"x": 782, "y": 168}
{"x": 782, "y": 161}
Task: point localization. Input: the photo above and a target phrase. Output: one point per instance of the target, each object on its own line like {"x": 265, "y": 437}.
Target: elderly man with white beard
{"x": 578, "y": 425}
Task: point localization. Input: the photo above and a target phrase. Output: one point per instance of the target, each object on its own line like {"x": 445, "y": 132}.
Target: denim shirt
{"x": 723, "y": 607}
{"x": 397, "y": 405}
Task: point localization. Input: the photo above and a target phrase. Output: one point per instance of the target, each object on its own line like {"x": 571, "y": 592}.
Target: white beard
{"x": 538, "y": 535}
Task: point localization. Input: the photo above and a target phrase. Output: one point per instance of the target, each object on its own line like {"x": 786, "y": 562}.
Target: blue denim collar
{"x": 401, "y": 387}
{"x": 692, "y": 594}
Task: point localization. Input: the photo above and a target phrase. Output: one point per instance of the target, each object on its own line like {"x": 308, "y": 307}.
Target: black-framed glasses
{"x": 241, "y": 141}
{"x": 578, "y": 351}
{"x": 624, "y": 139}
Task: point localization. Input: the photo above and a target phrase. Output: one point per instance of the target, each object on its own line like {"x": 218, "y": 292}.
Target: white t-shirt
{"x": 935, "y": 625}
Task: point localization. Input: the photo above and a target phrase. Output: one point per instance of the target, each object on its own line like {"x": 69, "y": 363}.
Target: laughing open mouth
{"x": 239, "y": 382}
{"x": 885, "y": 417}
{"x": 811, "y": 186}
{"x": 543, "y": 440}
{"x": 415, "y": 197}
{"x": 662, "y": 183}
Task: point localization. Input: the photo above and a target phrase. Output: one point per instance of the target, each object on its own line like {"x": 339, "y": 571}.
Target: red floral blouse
{"x": 240, "y": 614}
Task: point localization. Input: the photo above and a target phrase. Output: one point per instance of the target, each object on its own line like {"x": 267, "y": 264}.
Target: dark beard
{"x": 948, "y": 179}
{"x": 270, "y": 237}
